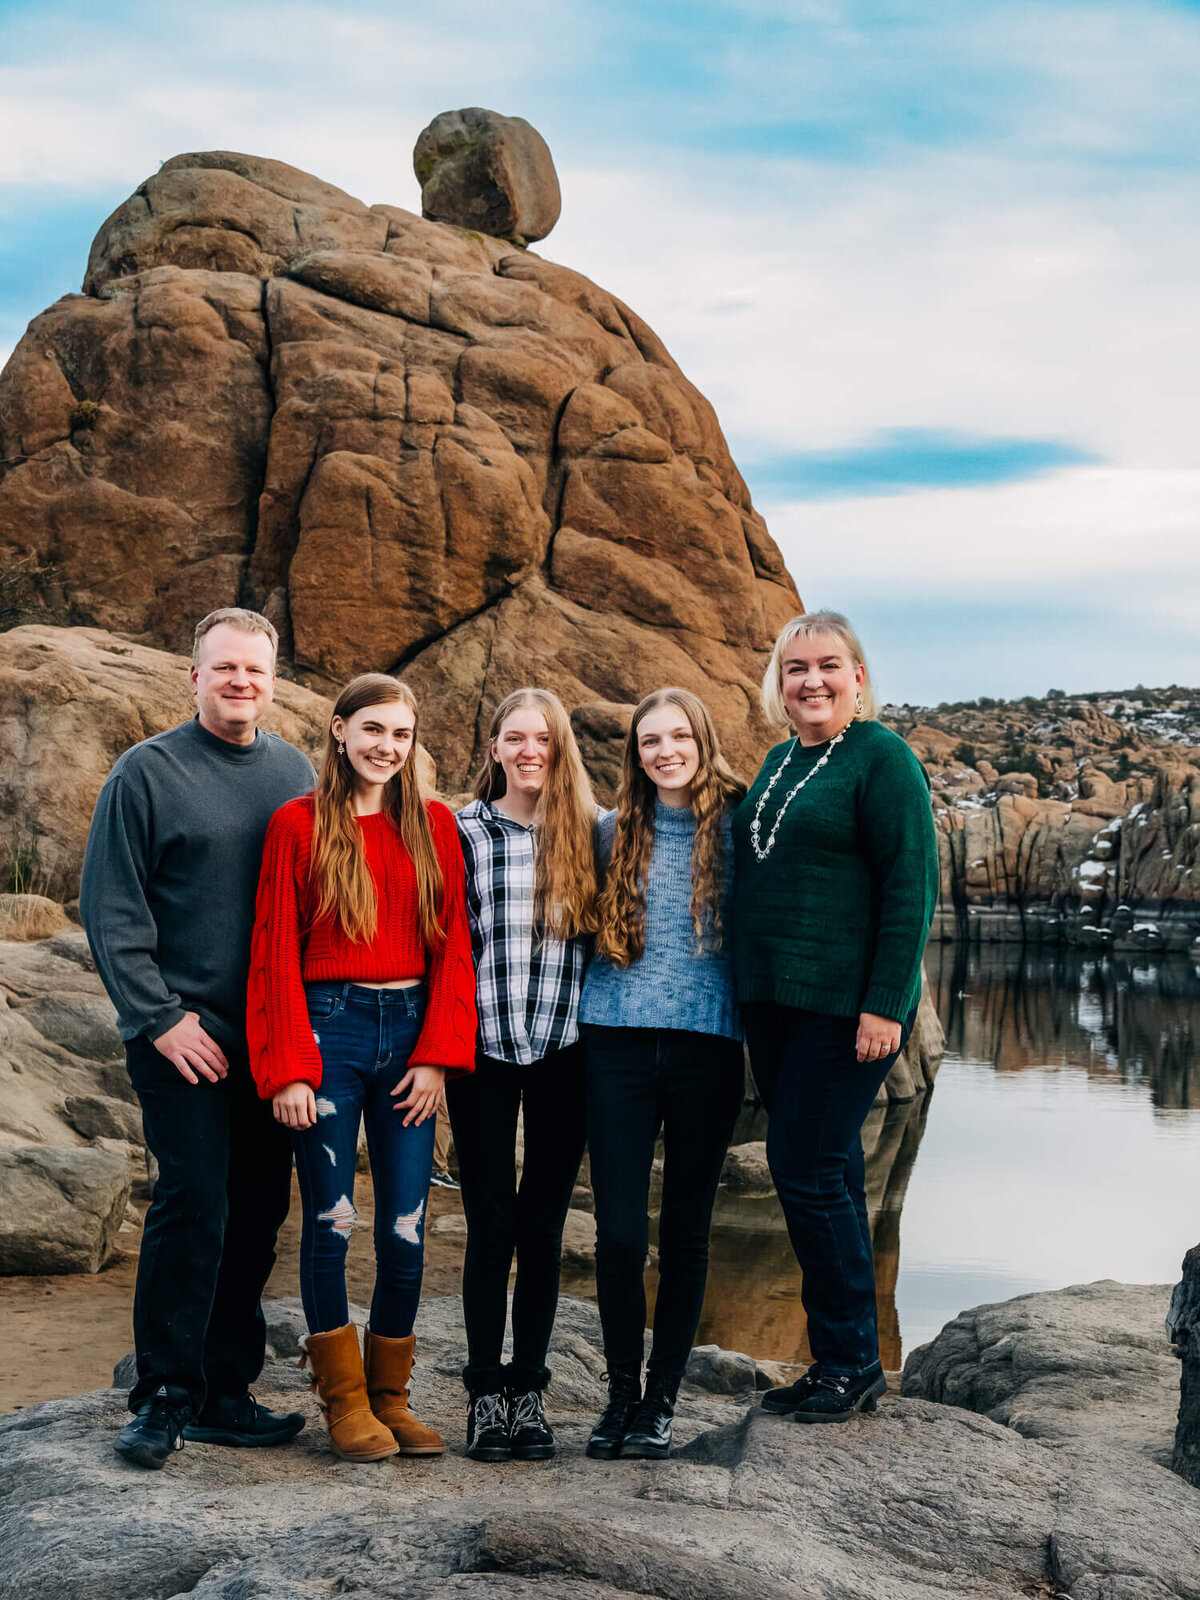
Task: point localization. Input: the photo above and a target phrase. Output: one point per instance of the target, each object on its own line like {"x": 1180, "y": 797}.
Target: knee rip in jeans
{"x": 408, "y": 1225}
{"x": 341, "y": 1217}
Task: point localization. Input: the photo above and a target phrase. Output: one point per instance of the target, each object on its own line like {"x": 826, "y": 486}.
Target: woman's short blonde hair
{"x": 813, "y": 622}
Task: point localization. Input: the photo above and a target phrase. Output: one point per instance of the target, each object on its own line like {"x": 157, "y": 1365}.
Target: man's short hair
{"x": 236, "y": 617}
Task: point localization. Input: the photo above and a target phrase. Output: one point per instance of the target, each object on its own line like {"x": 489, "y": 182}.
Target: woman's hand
{"x": 295, "y": 1106}
{"x": 877, "y": 1037}
{"x": 424, "y": 1085}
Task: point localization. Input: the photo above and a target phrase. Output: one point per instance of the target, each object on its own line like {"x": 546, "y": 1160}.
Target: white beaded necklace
{"x": 763, "y": 851}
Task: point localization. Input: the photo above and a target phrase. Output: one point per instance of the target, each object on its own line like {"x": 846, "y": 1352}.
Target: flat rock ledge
{"x": 922, "y": 1499}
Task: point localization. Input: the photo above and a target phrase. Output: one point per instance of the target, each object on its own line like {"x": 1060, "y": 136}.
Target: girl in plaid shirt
{"x": 529, "y": 843}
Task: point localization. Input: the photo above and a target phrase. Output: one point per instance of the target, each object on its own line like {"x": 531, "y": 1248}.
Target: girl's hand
{"x": 424, "y": 1085}
{"x": 877, "y": 1037}
{"x": 295, "y": 1107}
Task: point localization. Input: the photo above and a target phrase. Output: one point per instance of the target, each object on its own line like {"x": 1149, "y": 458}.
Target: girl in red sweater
{"x": 361, "y": 1002}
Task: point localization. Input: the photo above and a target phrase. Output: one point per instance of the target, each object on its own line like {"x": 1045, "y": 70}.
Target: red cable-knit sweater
{"x": 290, "y": 949}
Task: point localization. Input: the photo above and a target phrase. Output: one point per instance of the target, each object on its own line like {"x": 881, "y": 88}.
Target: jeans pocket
{"x": 324, "y": 1001}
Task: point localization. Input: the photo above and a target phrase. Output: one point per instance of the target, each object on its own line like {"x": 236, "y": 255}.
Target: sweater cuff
{"x": 164, "y": 1022}
{"x": 895, "y": 1004}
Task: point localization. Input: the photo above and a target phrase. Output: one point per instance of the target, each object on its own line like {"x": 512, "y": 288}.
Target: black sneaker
{"x": 789, "y": 1397}
{"x": 153, "y": 1435}
{"x": 239, "y": 1420}
{"x": 487, "y": 1429}
{"x": 529, "y": 1434}
{"x": 837, "y": 1399}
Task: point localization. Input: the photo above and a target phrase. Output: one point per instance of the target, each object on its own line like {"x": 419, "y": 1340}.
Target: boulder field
{"x": 1071, "y": 1495}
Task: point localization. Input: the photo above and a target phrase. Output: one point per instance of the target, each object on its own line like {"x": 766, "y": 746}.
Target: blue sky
{"x": 935, "y": 264}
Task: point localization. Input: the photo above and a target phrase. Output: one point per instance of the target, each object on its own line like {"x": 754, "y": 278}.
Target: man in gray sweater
{"x": 168, "y": 895}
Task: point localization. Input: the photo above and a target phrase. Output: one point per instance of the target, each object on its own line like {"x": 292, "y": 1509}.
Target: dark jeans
{"x": 690, "y": 1085}
{"x": 366, "y": 1037}
{"x": 503, "y": 1217}
{"x": 817, "y": 1095}
{"x": 208, "y": 1246}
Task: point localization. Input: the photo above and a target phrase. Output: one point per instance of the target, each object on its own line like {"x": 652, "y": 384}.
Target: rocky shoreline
{"x": 1046, "y": 1474}
{"x": 1072, "y": 820}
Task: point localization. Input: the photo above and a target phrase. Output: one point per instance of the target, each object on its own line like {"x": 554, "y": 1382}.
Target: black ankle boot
{"x": 837, "y": 1399}
{"x": 624, "y": 1392}
{"x": 649, "y": 1436}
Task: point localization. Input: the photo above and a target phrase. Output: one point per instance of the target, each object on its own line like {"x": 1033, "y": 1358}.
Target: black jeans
{"x": 503, "y": 1217}
{"x": 208, "y": 1246}
{"x": 817, "y": 1095}
{"x": 690, "y": 1085}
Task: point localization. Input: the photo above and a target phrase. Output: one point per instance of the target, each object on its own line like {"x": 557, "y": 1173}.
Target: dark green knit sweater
{"x": 835, "y": 919}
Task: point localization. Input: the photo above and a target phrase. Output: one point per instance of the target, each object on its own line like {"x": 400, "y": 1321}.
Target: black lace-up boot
{"x": 837, "y": 1398}
{"x": 649, "y": 1436}
{"x": 624, "y": 1392}
{"x": 791, "y": 1395}
{"x": 529, "y": 1434}
{"x": 487, "y": 1429}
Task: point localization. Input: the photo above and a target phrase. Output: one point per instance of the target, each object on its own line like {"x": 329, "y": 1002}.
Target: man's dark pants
{"x": 225, "y": 1171}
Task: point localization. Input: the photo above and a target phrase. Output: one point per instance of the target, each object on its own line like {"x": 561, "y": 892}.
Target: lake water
{"x": 1061, "y": 1144}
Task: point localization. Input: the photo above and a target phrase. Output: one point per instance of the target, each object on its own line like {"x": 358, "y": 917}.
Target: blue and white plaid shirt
{"x": 527, "y": 990}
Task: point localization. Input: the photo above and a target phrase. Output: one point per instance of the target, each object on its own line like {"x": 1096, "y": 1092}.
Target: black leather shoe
{"x": 153, "y": 1435}
{"x": 240, "y": 1421}
{"x": 529, "y": 1434}
{"x": 789, "y": 1397}
{"x": 607, "y": 1437}
{"x": 649, "y": 1435}
{"x": 837, "y": 1399}
{"x": 487, "y": 1429}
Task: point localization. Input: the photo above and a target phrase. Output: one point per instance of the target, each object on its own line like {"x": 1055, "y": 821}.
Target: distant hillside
{"x": 1067, "y": 817}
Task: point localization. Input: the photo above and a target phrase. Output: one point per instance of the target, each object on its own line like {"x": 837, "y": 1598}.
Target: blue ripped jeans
{"x": 365, "y": 1037}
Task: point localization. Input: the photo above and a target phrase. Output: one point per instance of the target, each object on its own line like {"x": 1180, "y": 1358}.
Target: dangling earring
{"x": 858, "y": 705}
{"x": 342, "y": 747}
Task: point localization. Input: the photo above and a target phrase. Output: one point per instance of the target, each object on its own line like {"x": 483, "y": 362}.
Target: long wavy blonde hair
{"x": 339, "y": 871}
{"x": 622, "y": 934}
{"x": 565, "y": 886}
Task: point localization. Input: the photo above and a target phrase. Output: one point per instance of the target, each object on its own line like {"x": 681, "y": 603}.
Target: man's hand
{"x": 424, "y": 1085}
{"x": 190, "y": 1051}
{"x": 877, "y": 1037}
{"x": 295, "y": 1106}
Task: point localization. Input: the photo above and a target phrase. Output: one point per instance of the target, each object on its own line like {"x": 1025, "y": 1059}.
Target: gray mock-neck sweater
{"x": 171, "y": 871}
{"x": 672, "y": 986}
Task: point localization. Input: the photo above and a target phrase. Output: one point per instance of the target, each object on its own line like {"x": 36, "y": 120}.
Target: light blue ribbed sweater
{"x": 671, "y": 986}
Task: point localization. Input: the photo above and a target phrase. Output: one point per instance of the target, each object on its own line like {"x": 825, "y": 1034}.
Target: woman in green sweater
{"x": 836, "y": 878}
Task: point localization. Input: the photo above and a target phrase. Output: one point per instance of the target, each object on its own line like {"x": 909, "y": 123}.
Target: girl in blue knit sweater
{"x": 664, "y": 1051}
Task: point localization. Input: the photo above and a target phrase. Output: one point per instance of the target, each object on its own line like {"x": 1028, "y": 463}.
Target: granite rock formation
{"x": 60, "y": 1210}
{"x": 1183, "y": 1330}
{"x": 920, "y": 1500}
{"x": 480, "y": 170}
{"x": 416, "y": 447}
{"x": 1067, "y": 819}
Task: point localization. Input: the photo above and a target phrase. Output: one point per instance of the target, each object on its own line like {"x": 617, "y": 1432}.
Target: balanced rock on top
{"x": 478, "y": 169}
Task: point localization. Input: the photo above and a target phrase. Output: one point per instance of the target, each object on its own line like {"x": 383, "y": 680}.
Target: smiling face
{"x": 233, "y": 681}
{"x": 378, "y": 740}
{"x": 668, "y": 753}
{"x": 820, "y": 683}
{"x": 524, "y": 751}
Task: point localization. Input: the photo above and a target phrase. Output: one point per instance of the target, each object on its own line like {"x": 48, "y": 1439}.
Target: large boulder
{"x": 1183, "y": 1329}
{"x": 416, "y": 447}
{"x": 480, "y": 170}
{"x": 919, "y": 1500}
{"x": 60, "y": 1210}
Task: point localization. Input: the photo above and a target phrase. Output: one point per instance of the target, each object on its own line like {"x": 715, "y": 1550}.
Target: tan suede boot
{"x": 341, "y": 1389}
{"x": 389, "y": 1367}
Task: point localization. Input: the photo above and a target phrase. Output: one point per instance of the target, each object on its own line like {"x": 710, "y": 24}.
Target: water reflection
{"x": 1118, "y": 1020}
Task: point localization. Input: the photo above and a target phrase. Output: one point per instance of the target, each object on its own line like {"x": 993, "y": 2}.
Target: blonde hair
{"x": 565, "y": 886}
{"x": 622, "y": 934}
{"x": 339, "y": 869}
{"x": 805, "y": 627}
{"x": 236, "y": 617}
